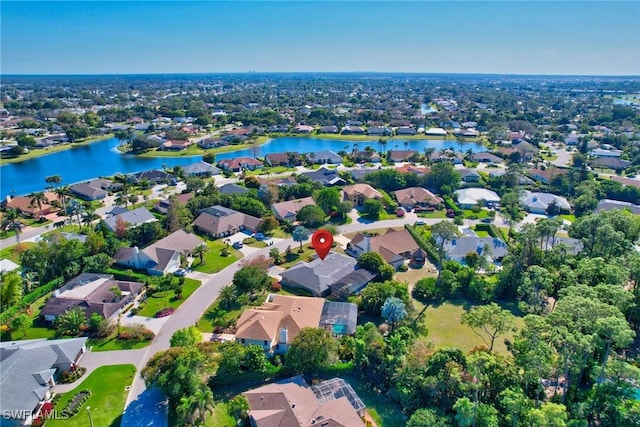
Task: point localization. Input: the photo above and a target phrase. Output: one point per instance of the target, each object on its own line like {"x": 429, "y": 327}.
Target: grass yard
{"x": 213, "y": 261}
{"x": 13, "y": 252}
{"x": 166, "y": 299}
{"x": 297, "y": 257}
{"x": 443, "y": 322}
{"x": 108, "y": 395}
{"x": 218, "y": 315}
{"x": 435, "y": 214}
{"x": 469, "y": 214}
{"x": 272, "y": 171}
{"x": 38, "y": 328}
{"x": 111, "y": 343}
{"x": 384, "y": 411}
{"x": 569, "y": 217}
{"x": 220, "y": 417}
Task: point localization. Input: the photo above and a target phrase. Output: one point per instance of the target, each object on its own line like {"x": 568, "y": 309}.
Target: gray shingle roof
{"x": 132, "y": 218}
{"x": 317, "y": 275}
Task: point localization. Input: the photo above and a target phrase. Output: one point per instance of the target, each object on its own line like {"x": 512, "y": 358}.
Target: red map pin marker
{"x": 322, "y": 241}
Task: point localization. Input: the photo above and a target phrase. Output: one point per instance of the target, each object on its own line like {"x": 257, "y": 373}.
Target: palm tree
{"x": 193, "y": 409}
{"x": 62, "y": 193}
{"x": 227, "y": 295}
{"x": 383, "y": 144}
{"x": 75, "y": 208}
{"x": 428, "y": 152}
{"x": 200, "y": 251}
{"x": 117, "y": 293}
{"x": 53, "y": 179}
{"x": 89, "y": 215}
{"x": 29, "y": 280}
{"x": 10, "y": 220}
{"x": 38, "y": 199}
{"x": 71, "y": 322}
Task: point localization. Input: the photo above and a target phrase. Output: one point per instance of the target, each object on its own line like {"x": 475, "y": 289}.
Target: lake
{"x": 103, "y": 159}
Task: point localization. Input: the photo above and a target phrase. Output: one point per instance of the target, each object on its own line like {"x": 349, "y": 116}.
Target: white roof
{"x": 435, "y": 131}
{"x": 6, "y": 265}
{"x": 474, "y": 195}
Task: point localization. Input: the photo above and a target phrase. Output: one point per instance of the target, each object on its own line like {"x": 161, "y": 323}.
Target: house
{"x": 367, "y": 156}
{"x": 26, "y": 207}
{"x": 601, "y": 152}
{"x": 492, "y": 248}
{"x": 303, "y": 129}
{"x": 88, "y": 191}
{"x": 131, "y": 219}
{"x": 212, "y": 143}
{"x": 317, "y": 276}
{"x": 626, "y": 181}
{"x": 292, "y": 403}
{"x": 93, "y": 293}
{"x": 279, "y": 182}
{"x": 469, "y": 175}
{"x": 29, "y": 369}
{"x": 233, "y": 188}
{"x": 359, "y": 174}
{"x": 176, "y": 145}
{"x": 289, "y": 210}
{"x": 6, "y": 266}
{"x": 435, "y": 132}
{"x": 449, "y": 156}
{"x": 276, "y": 323}
{"x": 409, "y": 168}
{"x": 401, "y": 155}
{"x": 359, "y": 193}
{"x": 609, "y": 204}
{"x": 326, "y": 177}
{"x": 352, "y": 130}
{"x": 329, "y": 129}
{"x": 379, "y": 131}
{"x": 570, "y": 245}
{"x": 283, "y": 159}
{"x": 470, "y": 133}
{"x": 405, "y": 130}
{"x": 324, "y": 157}
{"x": 486, "y": 157}
{"x": 236, "y": 164}
{"x": 470, "y": 197}
{"x": 154, "y": 176}
{"x": 610, "y": 163}
{"x": 163, "y": 205}
{"x": 395, "y": 246}
{"x": 414, "y": 197}
{"x": 201, "y": 169}
{"x": 161, "y": 257}
{"x": 218, "y": 221}
{"x": 539, "y": 203}
{"x": 546, "y": 175}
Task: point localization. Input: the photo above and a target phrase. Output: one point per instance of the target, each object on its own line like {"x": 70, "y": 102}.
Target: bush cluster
{"x": 165, "y": 312}
{"x": 75, "y": 403}
{"x": 28, "y": 299}
{"x": 70, "y": 376}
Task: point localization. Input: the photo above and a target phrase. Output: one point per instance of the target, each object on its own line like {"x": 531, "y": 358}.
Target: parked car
{"x": 419, "y": 222}
{"x": 400, "y": 212}
{"x": 486, "y": 220}
{"x": 259, "y": 236}
{"x": 237, "y": 245}
{"x": 181, "y": 272}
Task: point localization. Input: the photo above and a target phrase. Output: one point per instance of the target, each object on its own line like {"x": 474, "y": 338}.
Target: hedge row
{"x": 432, "y": 252}
{"x": 75, "y": 403}
{"x": 127, "y": 275}
{"x": 450, "y": 204}
{"x": 29, "y": 299}
{"x": 492, "y": 230}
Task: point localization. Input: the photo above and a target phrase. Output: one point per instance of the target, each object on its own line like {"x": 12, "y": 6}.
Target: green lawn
{"x": 271, "y": 170}
{"x": 111, "y": 343}
{"x": 166, "y": 299}
{"x": 38, "y": 328}
{"x": 482, "y": 233}
{"x": 384, "y": 411}
{"x": 469, "y": 214}
{"x": 108, "y": 396}
{"x": 443, "y": 322}
{"x": 435, "y": 214}
{"x": 220, "y": 417}
{"x": 571, "y": 218}
{"x": 13, "y": 252}
{"x": 213, "y": 261}
{"x": 217, "y": 315}
{"x": 297, "y": 257}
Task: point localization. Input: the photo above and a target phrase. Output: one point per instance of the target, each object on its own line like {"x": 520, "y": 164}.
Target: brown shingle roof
{"x": 365, "y": 190}
{"x": 417, "y": 195}
{"x": 284, "y": 209}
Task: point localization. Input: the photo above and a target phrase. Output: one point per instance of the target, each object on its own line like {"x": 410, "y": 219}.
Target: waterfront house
{"x": 435, "y": 132}
{"x": 161, "y": 257}
{"x": 359, "y": 193}
{"x": 352, "y": 130}
{"x": 289, "y": 210}
{"x": 417, "y": 197}
{"x": 288, "y": 159}
{"x": 131, "y": 219}
{"x": 92, "y": 293}
{"x": 27, "y": 208}
{"x": 218, "y": 221}
{"x": 401, "y": 155}
{"x": 237, "y": 164}
{"x": 329, "y": 129}
{"x": 405, "y": 130}
{"x": 200, "y": 169}
{"x": 306, "y": 129}
{"x": 88, "y": 191}
{"x": 324, "y": 157}
{"x": 154, "y": 176}
{"x": 176, "y": 145}
{"x": 29, "y": 369}
{"x": 379, "y": 131}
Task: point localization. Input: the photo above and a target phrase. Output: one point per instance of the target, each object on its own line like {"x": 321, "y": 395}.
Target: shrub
{"x": 75, "y": 403}
{"x": 276, "y": 286}
{"x": 165, "y": 312}
{"x": 70, "y": 376}
{"x": 426, "y": 289}
{"x": 248, "y": 240}
{"x": 403, "y": 267}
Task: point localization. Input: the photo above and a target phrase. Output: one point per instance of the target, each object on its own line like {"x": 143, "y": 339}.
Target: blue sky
{"x": 511, "y": 37}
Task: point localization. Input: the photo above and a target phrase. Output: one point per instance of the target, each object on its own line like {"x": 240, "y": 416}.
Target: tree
{"x": 193, "y": 409}
{"x": 239, "y": 408}
{"x": 374, "y": 262}
{"x": 510, "y": 207}
{"x": 10, "y": 221}
{"x": 53, "y": 181}
{"x": 117, "y": 293}
{"x": 443, "y": 178}
{"x": 185, "y": 337}
{"x": 268, "y": 224}
{"x": 209, "y": 158}
{"x": 328, "y": 199}
{"x": 11, "y": 290}
{"x": 311, "y": 215}
{"x": 489, "y": 321}
{"x": 310, "y": 350}
{"x": 393, "y": 311}
{"x": 227, "y": 296}
{"x": 200, "y": 251}
{"x": 372, "y": 208}
{"x": 97, "y": 263}
{"x": 20, "y": 322}
{"x": 71, "y": 322}
{"x": 274, "y": 254}
{"x": 427, "y": 418}
{"x": 441, "y": 233}
{"x": 375, "y": 295}
{"x": 548, "y": 415}
{"x": 465, "y": 412}
{"x": 300, "y": 234}
{"x": 62, "y": 193}
{"x": 251, "y": 279}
